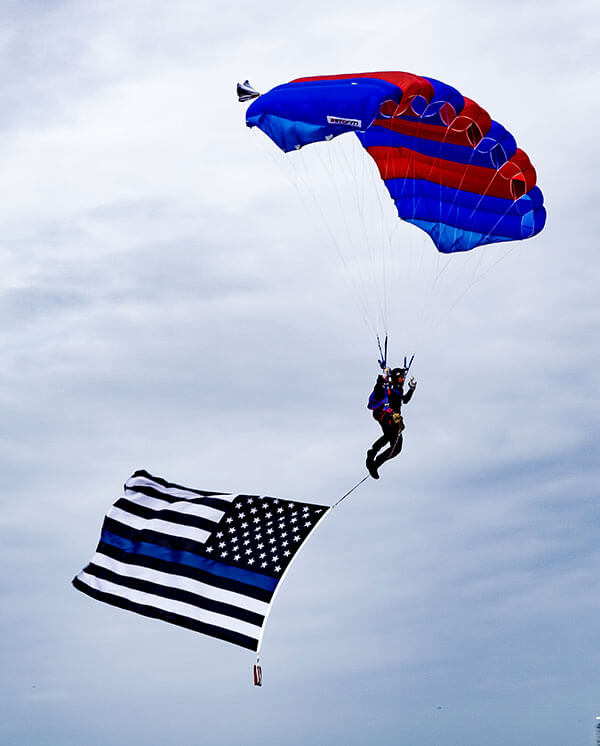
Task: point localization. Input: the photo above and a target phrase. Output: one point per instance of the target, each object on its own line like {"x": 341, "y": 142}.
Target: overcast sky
{"x": 172, "y": 299}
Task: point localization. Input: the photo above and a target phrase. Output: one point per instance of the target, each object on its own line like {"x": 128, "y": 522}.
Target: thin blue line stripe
{"x": 191, "y": 560}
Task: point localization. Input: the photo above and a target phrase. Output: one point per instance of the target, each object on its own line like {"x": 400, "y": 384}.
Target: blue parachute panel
{"x": 490, "y": 219}
{"x": 491, "y": 153}
{"x": 300, "y": 113}
{"x": 449, "y": 239}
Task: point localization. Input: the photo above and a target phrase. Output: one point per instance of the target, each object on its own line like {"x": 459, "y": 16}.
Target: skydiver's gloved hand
{"x": 412, "y": 384}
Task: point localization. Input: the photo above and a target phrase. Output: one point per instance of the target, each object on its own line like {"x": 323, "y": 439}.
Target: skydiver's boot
{"x": 370, "y": 463}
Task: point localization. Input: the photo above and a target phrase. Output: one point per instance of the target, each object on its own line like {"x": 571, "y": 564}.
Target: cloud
{"x": 173, "y": 298}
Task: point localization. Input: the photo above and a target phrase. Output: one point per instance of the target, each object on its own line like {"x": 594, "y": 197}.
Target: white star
{"x": 263, "y": 564}
{"x": 209, "y": 549}
{"x": 223, "y": 554}
{"x": 269, "y": 530}
{"x": 287, "y": 553}
{"x": 250, "y": 561}
{"x": 253, "y": 510}
{"x": 293, "y": 520}
{"x": 277, "y": 569}
{"x": 219, "y": 535}
{"x": 268, "y": 515}
{"x": 248, "y": 551}
{"x": 307, "y": 523}
{"x": 236, "y": 557}
{"x": 229, "y": 520}
{"x": 222, "y": 544}
{"x": 297, "y": 538}
{"x": 280, "y": 510}
{"x": 295, "y": 528}
{"x": 262, "y": 554}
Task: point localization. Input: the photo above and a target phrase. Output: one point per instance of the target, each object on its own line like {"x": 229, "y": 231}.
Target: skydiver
{"x": 386, "y": 401}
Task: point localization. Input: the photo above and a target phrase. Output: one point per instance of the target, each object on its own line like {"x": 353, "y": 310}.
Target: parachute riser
{"x": 382, "y": 360}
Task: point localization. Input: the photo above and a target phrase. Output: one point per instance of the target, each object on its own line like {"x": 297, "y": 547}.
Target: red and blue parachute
{"x": 450, "y": 169}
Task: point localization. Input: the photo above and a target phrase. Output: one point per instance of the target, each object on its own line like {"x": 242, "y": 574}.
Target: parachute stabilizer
{"x": 245, "y": 92}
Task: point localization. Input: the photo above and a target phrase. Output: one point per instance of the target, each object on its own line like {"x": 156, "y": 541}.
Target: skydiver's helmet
{"x": 399, "y": 376}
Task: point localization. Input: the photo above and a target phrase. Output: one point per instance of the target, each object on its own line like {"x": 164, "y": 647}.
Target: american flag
{"x": 208, "y": 561}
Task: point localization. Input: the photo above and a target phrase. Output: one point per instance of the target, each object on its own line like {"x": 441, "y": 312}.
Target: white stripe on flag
{"x": 182, "y": 583}
{"x": 175, "y": 607}
{"x": 173, "y": 491}
{"x": 155, "y": 524}
{"x": 183, "y": 507}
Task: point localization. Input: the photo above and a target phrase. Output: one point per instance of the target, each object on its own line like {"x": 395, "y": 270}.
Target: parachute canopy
{"x": 450, "y": 169}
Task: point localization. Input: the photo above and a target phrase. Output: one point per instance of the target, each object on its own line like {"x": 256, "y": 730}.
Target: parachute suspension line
{"x": 356, "y": 290}
{"x": 377, "y": 187}
{"x": 475, "y": 275}
{"x": 429, "y": 311}
{"x": 313, "y": 206}
{"x": 432, "y": 320}
{"x": 355, "y": 184}
{"x": 375, "y": 244}
{"x": 482, "y": 275}
{"x": 351, "y": 251}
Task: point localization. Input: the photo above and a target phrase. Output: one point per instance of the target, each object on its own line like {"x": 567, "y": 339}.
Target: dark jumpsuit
{"x": 384, "y": 402}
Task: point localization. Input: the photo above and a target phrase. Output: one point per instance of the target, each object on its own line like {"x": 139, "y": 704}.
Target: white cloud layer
{"x": 172, "y": 299}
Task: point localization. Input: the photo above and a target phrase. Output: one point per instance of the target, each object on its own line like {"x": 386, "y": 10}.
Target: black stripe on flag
{"x": 145, "y": 489}
{"x": 176, "y": 594}
{"x": 168, "y": 616}
{"x": 173, "y": 568}
{"x": 154, "y": 537}
{"x": 171, "y": 485}
{"x": 164, "y": 514}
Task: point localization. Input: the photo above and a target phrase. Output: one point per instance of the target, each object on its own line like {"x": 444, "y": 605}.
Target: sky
{"x": 172, "y": 298}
